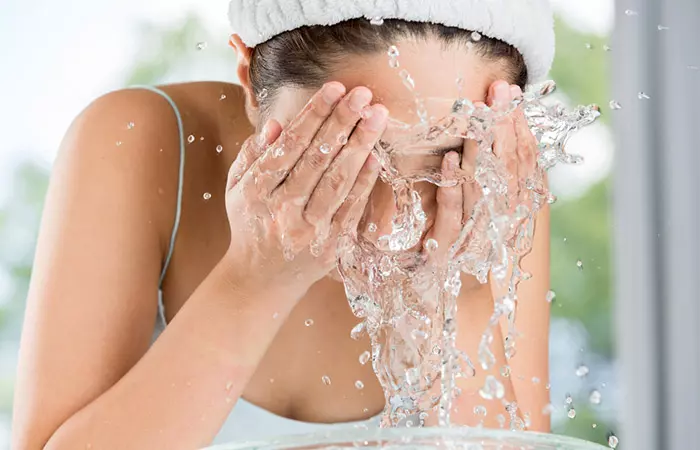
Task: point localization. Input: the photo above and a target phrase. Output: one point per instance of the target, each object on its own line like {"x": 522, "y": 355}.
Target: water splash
{"x": 408, "y": 306}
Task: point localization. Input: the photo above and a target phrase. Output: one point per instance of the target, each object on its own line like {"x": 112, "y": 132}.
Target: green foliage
{"x": 580, "y": 72}
{"x": 162, "y": 48}
{"x": 581, "y": 231}
{"x": 582, "y": 426}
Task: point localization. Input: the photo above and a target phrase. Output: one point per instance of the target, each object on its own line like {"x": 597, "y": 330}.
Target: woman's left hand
{"x": 514, "y": 144}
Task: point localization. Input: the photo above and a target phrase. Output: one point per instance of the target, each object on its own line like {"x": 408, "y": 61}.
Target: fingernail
{"x": 452, "y": 160}
{"x": 262, "y": 138}
{"x": 502, "y": 91}
{"x": 359, "y": 99}
{"x": 377, "y": 120}
{"x": 515, "y": 91}
{"x": 332, "y": 92}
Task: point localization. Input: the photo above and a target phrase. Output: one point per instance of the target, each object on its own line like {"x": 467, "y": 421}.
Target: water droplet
{"x": 219, "y": 148}
{"x": 579, "y": 264}
{"x": 594, "y": 425}
{"x": 201, "y": 138}
{"x": 480, "y": 410}
{"x": 394, "y": 63}
{"x": 642, "y": 96}
{"x": 492, "y": 389}
{"x": 630, "y": 12}
{"x": 505, "y": 371}
{"x": 662, "y": 28}
{"x": 364, "y": 357}
{"x": 326, "y": 380}
{"x": 372, "y": 227}
{"x": 357, "y": 330}
{"x": 476, "y": 36}
{"x": 589, "y": 46}
{"x": 595, "y": 397}
{"x": 407, "y": 79}
{"x": 223, "y": 97}
{"x": 582, "y": 371}
{"x": 119, "y": 143}
{"x": 376, "y": 21}
{"x": 206, "y": 196}
{"x": 309, "y": 322}
{"x": 385, "y": 266}
{"x": 615, "y": 105}
{"x": 431, "y": 245}
{"x": 393, "y": 52}
{"x": 288, "y": 254}
{"x": 548, "y": 409}
{"x": 190, "y": 138}
{"x": 229, "y": 385}
{"x": 342, "y": 140}
{"x": 130, "y": 126}
{"x": 278, "y": 152}
{"x": 571, "y": 413}
{"x": 501, "y": 420}
{"x": 263, "y": 94}
{"x": 613, "y": 441}
{"x": 569, "y": 399}
{"x": 359, "y": 384}
{"x": 551, "y": 296}
{"x": 607, "y": 48}
{"x": 201, "y": 45}
{"x": 325, "y": 149}
{"x": 535, "y": 380}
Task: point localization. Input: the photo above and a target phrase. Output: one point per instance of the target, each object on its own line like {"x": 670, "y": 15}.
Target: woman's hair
{"x": 306, "y": 57}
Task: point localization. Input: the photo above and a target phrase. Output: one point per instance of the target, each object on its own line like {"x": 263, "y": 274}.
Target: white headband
{"x": 525, "y": 24}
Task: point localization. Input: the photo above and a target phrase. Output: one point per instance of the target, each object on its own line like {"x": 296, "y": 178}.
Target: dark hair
{"x": 306, "y": 57}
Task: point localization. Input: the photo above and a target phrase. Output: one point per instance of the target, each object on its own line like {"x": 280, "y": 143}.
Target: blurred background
{"x": 58, "y": 57}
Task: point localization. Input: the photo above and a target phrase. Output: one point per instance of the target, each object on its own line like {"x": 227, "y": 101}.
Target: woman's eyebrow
{"x": 447, "y": 149}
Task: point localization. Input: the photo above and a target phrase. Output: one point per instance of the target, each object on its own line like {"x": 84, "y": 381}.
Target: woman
{"x": 153, "y": 193}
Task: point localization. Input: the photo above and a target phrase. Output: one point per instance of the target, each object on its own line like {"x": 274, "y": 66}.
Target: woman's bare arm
{"x": 83, "y": 379}
{"x": 530, "y": 365}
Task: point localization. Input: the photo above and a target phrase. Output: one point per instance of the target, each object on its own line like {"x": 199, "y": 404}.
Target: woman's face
{"x": 435, "y": 70}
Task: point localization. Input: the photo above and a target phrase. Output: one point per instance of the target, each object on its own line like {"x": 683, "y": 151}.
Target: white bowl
{"x": 418, "y": 438}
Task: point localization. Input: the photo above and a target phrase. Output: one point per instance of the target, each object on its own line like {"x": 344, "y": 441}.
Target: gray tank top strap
{"x": 180, "y": 180}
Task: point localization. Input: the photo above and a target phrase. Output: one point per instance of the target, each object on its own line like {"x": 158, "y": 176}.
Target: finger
{"x": 499, "y": 96}
{"x": 448, "y": 219}
{"x": 527, "y": 144}
{"x": 297, "y": 136}
{"x": 504, "y": 135}
{"x": 504, "y": 132}
{"x": 251, "y": 150}
{"x": 339, "y": 179}
{"x": 348, "y": 216}
{"x": 330, "y": 139}
{"x": 470, "y": 188}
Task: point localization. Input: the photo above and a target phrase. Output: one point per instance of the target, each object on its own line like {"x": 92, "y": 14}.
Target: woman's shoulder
{"x": 205, "y": 108}
{"x": 130, "y": 141}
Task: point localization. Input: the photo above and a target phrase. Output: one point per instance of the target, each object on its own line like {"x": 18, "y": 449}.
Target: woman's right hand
{"x": 292, "y": 192}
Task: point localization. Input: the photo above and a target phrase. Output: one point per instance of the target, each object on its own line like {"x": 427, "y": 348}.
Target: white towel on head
{"x": 525, "y": 24}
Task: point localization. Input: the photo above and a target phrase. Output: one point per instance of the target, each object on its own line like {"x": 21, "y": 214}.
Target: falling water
{"x": 408, "y": 306}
